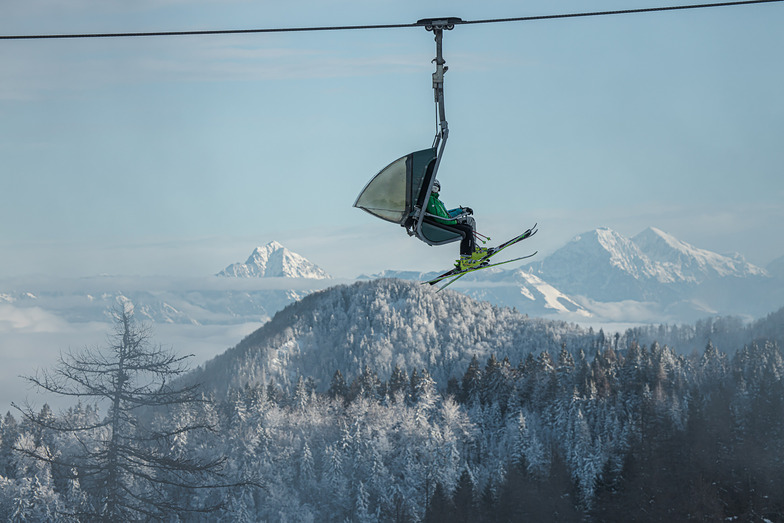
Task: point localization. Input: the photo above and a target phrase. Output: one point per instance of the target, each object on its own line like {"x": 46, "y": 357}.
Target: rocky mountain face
{"x": 601, "y": 264}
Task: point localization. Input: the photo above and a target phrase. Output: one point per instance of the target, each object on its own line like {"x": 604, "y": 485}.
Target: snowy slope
{"x": 380, "y": 323}
{"x": 274, "y": 261}
{"x": 603, "y": 265}
{"x": 675, "y": 260}
{"x": 524, "y": 291}
{"x": 519, "y": 289}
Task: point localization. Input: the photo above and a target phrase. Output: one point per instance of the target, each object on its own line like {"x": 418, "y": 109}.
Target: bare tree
{"x": 125, "y": 460}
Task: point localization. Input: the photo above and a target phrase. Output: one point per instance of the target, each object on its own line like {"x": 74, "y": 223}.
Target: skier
{"x": 460, "y": 219}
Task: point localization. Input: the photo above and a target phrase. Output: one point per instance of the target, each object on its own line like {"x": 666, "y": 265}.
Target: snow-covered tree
{"x": 125, "y": 461}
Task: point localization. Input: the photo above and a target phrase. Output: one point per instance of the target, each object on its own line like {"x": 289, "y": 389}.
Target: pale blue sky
{"x": 178, "y": 155}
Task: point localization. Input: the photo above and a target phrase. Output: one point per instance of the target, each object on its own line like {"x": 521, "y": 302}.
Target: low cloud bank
{"x": 32, "y": 339}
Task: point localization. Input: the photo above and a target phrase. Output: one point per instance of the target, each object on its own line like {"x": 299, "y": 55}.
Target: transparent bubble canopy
{"x": 398, "y": 188}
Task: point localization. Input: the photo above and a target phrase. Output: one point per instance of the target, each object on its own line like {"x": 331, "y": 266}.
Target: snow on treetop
{"x": 381, "y": 323}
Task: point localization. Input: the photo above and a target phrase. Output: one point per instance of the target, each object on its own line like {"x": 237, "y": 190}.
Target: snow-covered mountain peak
{"x": 653, "y": 234}
{"x": 652, "y": 266}
{"x": 260, "y": 257}
{"x": 660, "y": 246}
{"x": 273, "y": 260}
{"x": 268, "y": 248}
{"x": 600, "y": 263}
{"x": 688, "y": 263}
{"x": 610, "y": 246}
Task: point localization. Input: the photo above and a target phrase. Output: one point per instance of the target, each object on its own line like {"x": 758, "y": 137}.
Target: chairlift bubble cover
{"x": 395, "y": 191}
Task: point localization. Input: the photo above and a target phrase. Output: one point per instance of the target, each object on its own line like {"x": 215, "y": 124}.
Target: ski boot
{"x": 480, "y": 253}
{"x": 465, "y": 262}
{"x": 476, "y": 259}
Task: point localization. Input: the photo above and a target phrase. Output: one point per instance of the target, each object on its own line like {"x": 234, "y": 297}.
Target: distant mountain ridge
{"x": 197, "y": 304}
{"x": 604, "y": 265}
{"x": 273, "y": 260}
{"x": 245, "y": 292}
{"x": 685, "y": 262}
{"x": 601, "y": 275}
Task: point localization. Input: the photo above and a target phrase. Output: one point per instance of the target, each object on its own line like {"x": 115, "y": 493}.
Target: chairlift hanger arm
{"x": 437, "y": 26}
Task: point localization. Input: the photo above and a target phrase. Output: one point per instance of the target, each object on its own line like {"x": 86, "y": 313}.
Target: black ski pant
{"x": 467, "y": 244}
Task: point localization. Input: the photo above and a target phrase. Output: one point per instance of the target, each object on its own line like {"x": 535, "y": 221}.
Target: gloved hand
{"x": 468, "y": 210}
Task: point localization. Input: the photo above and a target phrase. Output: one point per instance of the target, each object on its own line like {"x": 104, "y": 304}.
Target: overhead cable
{"x": 383, "y": 26}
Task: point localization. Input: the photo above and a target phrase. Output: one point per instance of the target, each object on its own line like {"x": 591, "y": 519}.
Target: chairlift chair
{"x": 399, "y": 193}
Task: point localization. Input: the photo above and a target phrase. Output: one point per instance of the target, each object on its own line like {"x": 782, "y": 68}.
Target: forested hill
{"x": 381, "y": 324}
{"x": 728, "y": 334}
{"x": 433, "y": 423}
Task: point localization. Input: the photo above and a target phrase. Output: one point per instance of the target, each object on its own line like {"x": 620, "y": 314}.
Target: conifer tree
{"x": 8, "y": 436}
{"x": 464, "y": 498}
{"x": 440, "y": 508}
{"x": 398, "y": 383}
{"x": 471, "y": 388}
{"x": 338, "y": 390}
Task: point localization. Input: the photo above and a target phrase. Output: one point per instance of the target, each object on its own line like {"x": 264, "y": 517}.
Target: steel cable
{"x": 382, "y": 26}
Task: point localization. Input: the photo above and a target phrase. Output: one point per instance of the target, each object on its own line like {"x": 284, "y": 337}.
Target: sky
{"x": 176, "y": 156}
{"x": 179, "y": 155}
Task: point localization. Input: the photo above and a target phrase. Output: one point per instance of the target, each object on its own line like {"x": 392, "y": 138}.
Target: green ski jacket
{"x": 436, "y": 207}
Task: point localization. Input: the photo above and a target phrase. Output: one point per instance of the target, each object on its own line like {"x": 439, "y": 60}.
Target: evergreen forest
{"x": 606, "y": 431}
